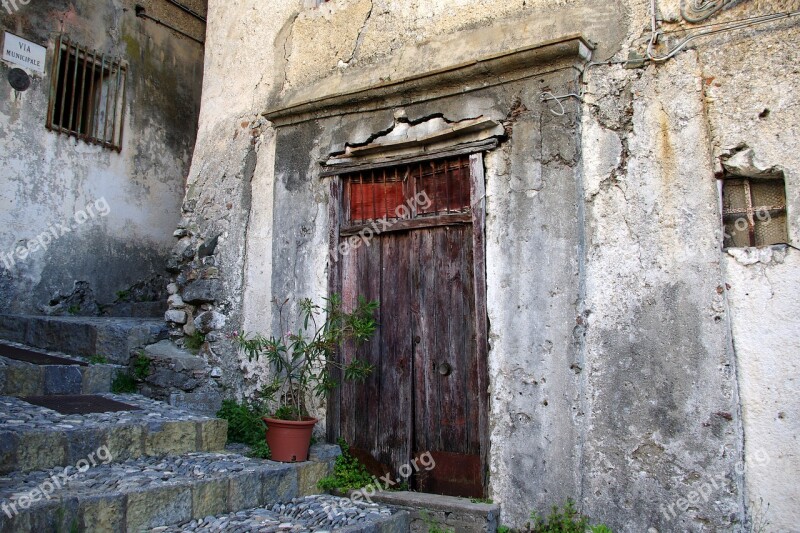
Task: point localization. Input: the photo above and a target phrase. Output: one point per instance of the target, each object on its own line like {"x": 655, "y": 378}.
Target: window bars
{"x": 754, "y": 212}
{"x": 388, "y": 193}
{"x": 87, "y": 95}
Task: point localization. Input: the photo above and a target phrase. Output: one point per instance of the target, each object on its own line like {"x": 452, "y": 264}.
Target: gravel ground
{"x": 323, "y": 513}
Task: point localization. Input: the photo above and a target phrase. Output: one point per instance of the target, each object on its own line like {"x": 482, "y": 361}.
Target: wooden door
{"x": 425, "y": 398}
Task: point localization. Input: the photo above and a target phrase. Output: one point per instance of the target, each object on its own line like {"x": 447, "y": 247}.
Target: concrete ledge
{"x": 461, "y": 514}
{"x": 313, "y": 103}
{"x": 18, "y": 378}
{"x": 113, "y": 338}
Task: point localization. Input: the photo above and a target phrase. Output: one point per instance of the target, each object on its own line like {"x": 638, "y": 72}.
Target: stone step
{"x": 303, "y": 515}
{"x": 135, "y": 309}
{"x": 22, "y": 378}
{"x": 146, "y": 493}
{"x": 35, "y": 438}
{"x": 113, "y": 338}
{"x": 447, "y": 513}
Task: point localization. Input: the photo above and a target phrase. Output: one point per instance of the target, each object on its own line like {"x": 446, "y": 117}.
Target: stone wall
{"x": 633, "y": 364}
{"x": 130, "y": 200}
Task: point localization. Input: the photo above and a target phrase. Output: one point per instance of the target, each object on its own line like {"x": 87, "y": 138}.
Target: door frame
{"x": 478, "y": 221}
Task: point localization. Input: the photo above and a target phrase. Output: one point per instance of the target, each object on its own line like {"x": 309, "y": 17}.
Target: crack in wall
{"x": 360, "y": 36}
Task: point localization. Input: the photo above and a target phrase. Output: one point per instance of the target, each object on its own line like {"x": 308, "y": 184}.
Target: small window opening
{"x": 417, "y": 190}
{"x": 87, "y": 95}
{"x": 754, "y": 212}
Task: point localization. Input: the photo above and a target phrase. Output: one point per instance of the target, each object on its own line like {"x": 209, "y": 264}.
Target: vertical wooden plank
{"x": 478, "y": 203}
{"x": 334, "y": 287}
{"x": 395, "y": 420}
{"x": 423, "y": 337}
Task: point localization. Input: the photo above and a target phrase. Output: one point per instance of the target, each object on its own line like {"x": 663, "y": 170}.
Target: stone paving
{"x": 19, "y": 415}
{"x": 143, "y": 493}
{"x": 321, "y": 513}
{"x": 37, "y": 438}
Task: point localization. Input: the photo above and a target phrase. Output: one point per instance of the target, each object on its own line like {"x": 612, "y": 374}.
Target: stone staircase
{"x": 75, "y": 457}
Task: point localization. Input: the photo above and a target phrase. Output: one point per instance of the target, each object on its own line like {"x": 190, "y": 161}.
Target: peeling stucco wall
{"x": 47, "y": 178}
{"x": 634, "y": 366}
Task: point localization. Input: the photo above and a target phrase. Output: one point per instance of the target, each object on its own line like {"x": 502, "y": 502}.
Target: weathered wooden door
{"x": 427, "y": 394}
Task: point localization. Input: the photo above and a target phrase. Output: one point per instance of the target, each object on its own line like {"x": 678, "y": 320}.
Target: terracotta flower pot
{"x": 288, "y": 440}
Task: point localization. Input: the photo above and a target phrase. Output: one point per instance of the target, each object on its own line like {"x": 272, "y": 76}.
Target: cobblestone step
{"x": 35, "y": 438}
{"x": 113, "y": 338}
{"x": 303, "y": 515}
{"x": 20, "y": 378}
{"x": 146, "y": 493}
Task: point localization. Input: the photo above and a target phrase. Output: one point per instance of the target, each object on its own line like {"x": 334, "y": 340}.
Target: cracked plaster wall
{"x": 609, "y": 296}
{"x": 46, "y": 178}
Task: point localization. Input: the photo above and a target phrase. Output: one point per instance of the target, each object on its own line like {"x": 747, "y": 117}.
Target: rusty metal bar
{"x": 116, "y": 101}
{"x": 122, "y": 108}
{"x": 79, "y": 127}
{"x": 447, "y": 185}
{"x": 108, "y": 100}
{"x": 751, "y": 223}
{"x": 74, "y": 86}
{"x": 63, "y": 92}
{"x": 92, "y": 104}
{"x": 51, "y": 106}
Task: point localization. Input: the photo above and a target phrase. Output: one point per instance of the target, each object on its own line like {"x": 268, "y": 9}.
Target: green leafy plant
{"x": 141, "y": 367}
{"x": 503, "y": 529}
{"x": 481, "y": 500}
{"x": 73, "y": 309}
{"x": 348, "y": 473}
{"x": 565, "y": 520}
{"x": 123, "y": 383}
{"x": 244, "y": 421}
{"x": 98, "y": 359}
{"x": 194, "y": 341}
{"x": 304, "y": 361}
{"x": 123, "y": 295}
{"x": 260, "y": 450}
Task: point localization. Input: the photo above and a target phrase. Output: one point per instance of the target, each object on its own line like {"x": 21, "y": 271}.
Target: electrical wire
{"x": 703, "y": 8}
{"x": 745, "y": 23}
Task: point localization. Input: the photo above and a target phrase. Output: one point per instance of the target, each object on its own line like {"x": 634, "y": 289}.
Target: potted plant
{"x": 303, "y": 360}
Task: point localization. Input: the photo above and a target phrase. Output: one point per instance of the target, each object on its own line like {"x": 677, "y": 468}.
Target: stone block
{"x": 244, "y": 491}
{"x": 37, "y": 451}
{"x": 209, "y": 498}
{"x": 171, "y": 437}
{"x": 175, "y": 315}
{"x": 23, "y": 379}
{"x": 102, "y": 513}
{"x": 209, "y": 321}
{"x": 202, "y": 291}
{"x": 153, "y": 508}
{"x": 279, "y": 483}
{"x": 308, "y": 475}
{"x": 9, "y": 443}
{"x": 213, "y": 435}
{"x": 59, "y": 379}
{"x": 125, "y": 442}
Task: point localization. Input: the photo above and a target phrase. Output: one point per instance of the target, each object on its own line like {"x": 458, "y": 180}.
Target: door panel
{"x": 423, "y": 395}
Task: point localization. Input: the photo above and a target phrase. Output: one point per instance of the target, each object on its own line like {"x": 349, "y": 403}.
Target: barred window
{"x": 87, "y": 95}
{"x": 754, "y": 212}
